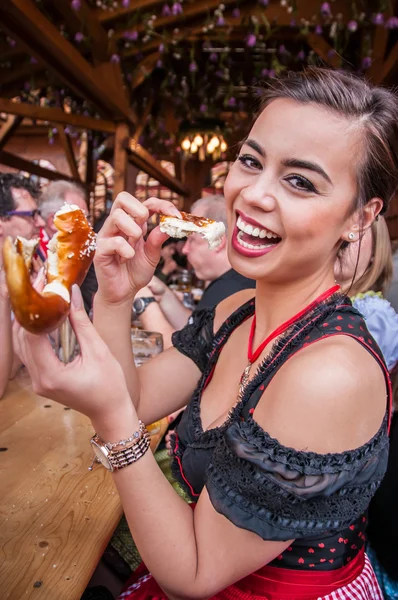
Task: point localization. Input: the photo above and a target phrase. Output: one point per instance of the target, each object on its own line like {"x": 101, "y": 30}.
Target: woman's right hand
{"x": 124, "y": 261}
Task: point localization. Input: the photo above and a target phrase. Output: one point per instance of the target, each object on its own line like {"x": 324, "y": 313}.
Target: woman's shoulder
{"x": 328, "y": 397}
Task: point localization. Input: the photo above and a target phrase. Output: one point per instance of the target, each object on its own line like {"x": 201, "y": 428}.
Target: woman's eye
{"x": 249, "y": 161}
{"x": 301, "y": 183}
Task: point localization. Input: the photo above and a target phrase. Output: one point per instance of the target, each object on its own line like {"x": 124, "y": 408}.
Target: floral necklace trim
{"x": 363, "y": 295}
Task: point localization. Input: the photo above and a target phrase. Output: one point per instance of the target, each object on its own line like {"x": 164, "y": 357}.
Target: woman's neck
{"x": 275, "y": 304}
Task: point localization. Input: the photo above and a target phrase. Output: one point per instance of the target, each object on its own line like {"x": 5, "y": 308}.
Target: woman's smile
{"x": 251, "y": 239}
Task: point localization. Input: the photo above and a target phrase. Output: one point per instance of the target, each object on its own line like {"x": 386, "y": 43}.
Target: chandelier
{"x": 202, "y": 140}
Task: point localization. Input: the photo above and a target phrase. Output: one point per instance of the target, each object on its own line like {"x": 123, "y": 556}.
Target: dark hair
{"x": 374, "y": 108}
{"x": 9, "y": 181}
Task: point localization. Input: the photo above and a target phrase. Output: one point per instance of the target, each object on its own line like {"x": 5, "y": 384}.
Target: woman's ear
{"x": 361, "y": 220}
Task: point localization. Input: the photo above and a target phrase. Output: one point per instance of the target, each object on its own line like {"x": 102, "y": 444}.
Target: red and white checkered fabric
{"x": 364, "y": 587}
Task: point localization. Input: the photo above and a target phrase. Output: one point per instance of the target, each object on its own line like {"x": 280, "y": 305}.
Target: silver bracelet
{"x": 135, "y": 437}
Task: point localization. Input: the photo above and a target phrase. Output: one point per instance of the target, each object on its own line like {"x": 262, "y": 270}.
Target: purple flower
{"x": 271, "y": 73}
{"x": 51, "y": 140}
{"x": 159, "y": 64}
{"x": 67, "y": 130}
{"x": 76, "y": 4}
{"x": 161, "y": 48}
{"x": 301, "y": 55}
{"x": 203, "y": 108}
{"x": 366, "y": 62}
{"x": 125, "y": 3}
{"x": 33, "y": 60}
{"x": 293, "y": 23}
{"x": 220, "y": 21}
{"x": 378, "y": 19}
{"x": 352, "y": 26}
{"x": 236, "y": 13}
{"x": 115, "y": 58}
{"x": 264, "y": 73}
{"x": 176, "y": 9}
{"x": 232, "y": 101}
{"x": 193, "y": 67}
{"x": 282, "y": 49}
{"x": 251, "y": 40}
{"x": 26, "y": 86}
{"x": 131, "y": 35}
{"x": 331, "y": 53}
{"x": 139, "y": 56}
{"x": 263, "y": 2}
{"x": 11, "y": 42}
{"x": 213, "y": 57}
{"x": 325, "y": 10}
{"x": 318, "y": 30}
{"x": 79, "y": 37}
{"x": 220, "y": 74}
{"x": 392, "y": 23}
{"x": 54, "y": 130}
{"x": 166, "y": 12}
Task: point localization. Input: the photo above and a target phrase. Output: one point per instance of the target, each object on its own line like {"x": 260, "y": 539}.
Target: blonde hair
{"x": 378, "y": 274}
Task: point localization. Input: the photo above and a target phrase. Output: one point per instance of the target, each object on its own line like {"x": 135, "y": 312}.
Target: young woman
{"x": 285, "y": 438}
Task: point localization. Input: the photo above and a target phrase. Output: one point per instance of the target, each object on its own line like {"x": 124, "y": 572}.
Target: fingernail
{"x": 171, "y": 419}
{"x": 77, "y": 300}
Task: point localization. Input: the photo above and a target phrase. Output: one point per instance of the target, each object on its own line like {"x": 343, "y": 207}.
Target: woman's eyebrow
{"x": 253, "y": 144}
{"x": 305, "y": 164}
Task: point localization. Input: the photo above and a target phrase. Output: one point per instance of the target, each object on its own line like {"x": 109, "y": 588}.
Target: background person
{"x": 19, "y": 216}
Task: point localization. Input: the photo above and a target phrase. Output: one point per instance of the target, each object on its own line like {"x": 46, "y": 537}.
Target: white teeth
{"x": 251, "y": 246}
{"x": 254, "y": 231}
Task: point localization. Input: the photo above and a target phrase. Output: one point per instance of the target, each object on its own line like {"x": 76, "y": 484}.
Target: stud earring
{"x": 351, "y": 236}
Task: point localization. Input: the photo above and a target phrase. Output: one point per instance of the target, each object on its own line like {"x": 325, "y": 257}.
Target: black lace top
{"x": 260, "y": 485}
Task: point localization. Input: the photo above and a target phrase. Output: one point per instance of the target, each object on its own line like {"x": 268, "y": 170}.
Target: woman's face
{"x": 290, "y": 193}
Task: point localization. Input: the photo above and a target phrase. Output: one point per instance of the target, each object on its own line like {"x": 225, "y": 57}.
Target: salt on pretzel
{"x": 70, "y": 253}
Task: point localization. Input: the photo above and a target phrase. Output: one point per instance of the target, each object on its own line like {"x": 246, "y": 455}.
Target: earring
{"x": 351, "y": 236}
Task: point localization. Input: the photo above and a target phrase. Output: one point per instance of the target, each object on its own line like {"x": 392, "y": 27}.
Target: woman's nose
{"x": 261, "y": 194}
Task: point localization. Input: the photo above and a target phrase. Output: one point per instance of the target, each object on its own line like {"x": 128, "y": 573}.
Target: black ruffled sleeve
{"x": 195, "y": 339}
{"x": 282, "y": 494}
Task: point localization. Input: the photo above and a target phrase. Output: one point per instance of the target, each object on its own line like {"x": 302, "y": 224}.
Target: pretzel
{"x": 70, "y": 253}
{"x": 211, "y": 230}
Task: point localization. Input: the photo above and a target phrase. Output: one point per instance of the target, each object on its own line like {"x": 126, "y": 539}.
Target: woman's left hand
{"x": 92, "y": 384}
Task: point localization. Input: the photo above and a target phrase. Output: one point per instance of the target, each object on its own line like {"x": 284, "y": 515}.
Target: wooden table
{"x": 56, "y": 517}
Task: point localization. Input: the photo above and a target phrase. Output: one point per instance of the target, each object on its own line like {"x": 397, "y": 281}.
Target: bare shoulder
{"x": 329, "y": 397}
{"x": 230, "y": 304}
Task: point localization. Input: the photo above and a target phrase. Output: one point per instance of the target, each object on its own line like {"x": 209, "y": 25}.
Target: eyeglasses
{"x": 33, "y": 214}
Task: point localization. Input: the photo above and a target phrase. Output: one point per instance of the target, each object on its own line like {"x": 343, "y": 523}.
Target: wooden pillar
{"x": 195, "y": 176}
{"x": 120, "y": 159}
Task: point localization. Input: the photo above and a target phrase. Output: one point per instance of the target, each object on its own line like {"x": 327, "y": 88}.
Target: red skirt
{"x": 356, "y": 581}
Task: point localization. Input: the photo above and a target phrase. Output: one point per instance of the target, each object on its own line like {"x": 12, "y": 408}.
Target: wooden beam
{"x": 22, "y": 73}
{"x": 85, "y": 20}
{"x": 390, "y": 62}
{"x": 379, "y": 49}
{"x": 143, "y": 120}
{"x": 141, "y": 158}
{"x": 69, "y": 153}
{"x": 324, "y": 50}
{"x": 144, "y": 69}
{"x": 55, "y": 115}
{"x": 16, "y": 162}
{"x": 120, "y": 159}
{"x": 110, "y": 15}
{"x": 26, "y": 22}
{"x": 8, "y": 129}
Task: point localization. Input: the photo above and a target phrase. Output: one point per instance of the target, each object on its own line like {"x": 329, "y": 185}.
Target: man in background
{"x": 19, "y": 216}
